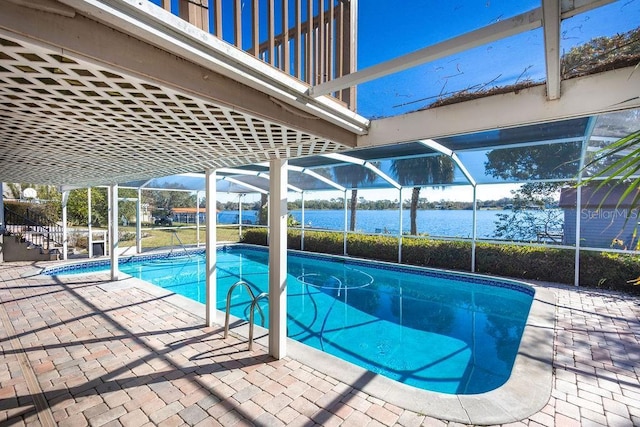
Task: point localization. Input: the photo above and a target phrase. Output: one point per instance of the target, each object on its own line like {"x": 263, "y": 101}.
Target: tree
{"x": 352, "y": 176}
{"x": 78, "y": 208}
{"x": 431, "y": 171}
{"x": 78, "y": 211}
{"x": 165, "y": 200}
{"x": 127, "y": 208}
{"x": 548, "y": 161}
{"x": 616, "y": 163}
{"x": 48, "y": 198}
{"x": 531, "y": 217}
{"x": 15, "y": 190}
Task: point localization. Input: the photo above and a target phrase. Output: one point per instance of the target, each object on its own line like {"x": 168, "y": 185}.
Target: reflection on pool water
{"x": 451, "y": 333}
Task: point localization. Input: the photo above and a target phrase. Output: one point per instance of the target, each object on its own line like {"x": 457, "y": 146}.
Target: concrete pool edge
{"x": 526, "y": 392}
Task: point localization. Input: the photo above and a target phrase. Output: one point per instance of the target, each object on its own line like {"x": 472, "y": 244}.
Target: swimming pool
{"x": 450, "y": 333}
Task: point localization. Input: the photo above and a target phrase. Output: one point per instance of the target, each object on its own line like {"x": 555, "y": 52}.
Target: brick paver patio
{"x": 76, "y": 352}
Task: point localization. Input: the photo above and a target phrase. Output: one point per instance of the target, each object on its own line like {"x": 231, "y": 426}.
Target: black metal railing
{"x": 34, "y": 228}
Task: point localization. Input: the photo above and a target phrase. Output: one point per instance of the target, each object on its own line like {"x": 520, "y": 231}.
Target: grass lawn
{"x": 172, "y": 236}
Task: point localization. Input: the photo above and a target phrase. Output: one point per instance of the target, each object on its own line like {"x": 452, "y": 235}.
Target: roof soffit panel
{"x": 65, "y": 122}
{"x": 68, "y": 120}
{"x": 90, "y": 41}
{"x": 154, "y": 25}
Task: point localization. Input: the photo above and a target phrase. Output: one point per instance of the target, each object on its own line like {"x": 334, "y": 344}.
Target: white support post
{"x": 65, "y": 230}
{"x": 268, "y": 218}
{"x": 585, "y": 145}
{"x": 240, "y": 216}
{"x": 400, "y": 227}
{"x": 278, "y": 258}
{"x": 113, "y": 231}
{"x": 576, "y": 274}
{"x": 474, "y": 229}
{"x": 197, "y": 219}
{"x": 551, "y": 17}
{"x": 107, "y": 243}
{"x": 139, "y": 222}
{"x": 302, "y": 226}
{"x": 89, "y": 221}
{"x": 346, "y": 225}
{"x": 211, "y": 286}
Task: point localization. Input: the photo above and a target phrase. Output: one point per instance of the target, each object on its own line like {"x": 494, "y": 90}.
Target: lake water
{"x": 449, "y": 223}
{"x": 452, "y": 223}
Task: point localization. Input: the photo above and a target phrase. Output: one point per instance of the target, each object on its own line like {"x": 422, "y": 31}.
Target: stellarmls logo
{"x": 609, "y": 214}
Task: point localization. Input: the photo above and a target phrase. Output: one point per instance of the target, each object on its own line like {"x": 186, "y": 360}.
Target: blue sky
{"x": 390, "y": 29}
{"x": 386, "y": 32}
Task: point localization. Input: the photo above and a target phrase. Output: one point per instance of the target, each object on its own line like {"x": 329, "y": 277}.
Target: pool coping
{"x": 526, "y": 392}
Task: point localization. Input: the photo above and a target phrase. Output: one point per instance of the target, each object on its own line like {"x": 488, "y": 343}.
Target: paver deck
{"x": 85, "y": 351}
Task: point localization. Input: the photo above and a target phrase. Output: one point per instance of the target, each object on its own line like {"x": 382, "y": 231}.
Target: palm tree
{"x": 422, "y": 171}
{"x": 615, "y": 163}
{"x": 351, "y": 176}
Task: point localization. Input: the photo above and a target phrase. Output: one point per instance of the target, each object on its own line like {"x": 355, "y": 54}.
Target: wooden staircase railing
{"x": 317, "y": 46}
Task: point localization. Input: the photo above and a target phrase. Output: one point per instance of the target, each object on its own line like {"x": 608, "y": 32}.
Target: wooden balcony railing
{"x": 313, "y": 40}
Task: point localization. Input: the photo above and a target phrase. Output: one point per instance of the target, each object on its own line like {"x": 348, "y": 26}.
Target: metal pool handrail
{"x": 254, "y": 304}
{"x": 184, "y": 248}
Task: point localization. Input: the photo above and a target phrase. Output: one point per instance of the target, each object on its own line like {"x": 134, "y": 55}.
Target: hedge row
{"x": 600, "y": 270}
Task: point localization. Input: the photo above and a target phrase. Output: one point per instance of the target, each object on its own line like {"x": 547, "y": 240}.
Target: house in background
{"x": 605, "y": 221}
{"x": 188, "y": 215}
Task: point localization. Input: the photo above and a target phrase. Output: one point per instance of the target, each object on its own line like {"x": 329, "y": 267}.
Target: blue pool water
{"x": 456, "y": 334}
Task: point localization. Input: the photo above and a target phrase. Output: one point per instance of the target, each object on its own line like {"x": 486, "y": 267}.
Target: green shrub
{"x": 451, "y": 255}
{"x": 324, "y": 242}
{"x": 609, "y": 270}
{"x": 18, "y": 207}
{"x": 294, "y": 239}
{"x": 254, "y": 236}
{"x": 601, "y": 270}
{"x": 526, "y": 262}
{"x": 381, "y": 248}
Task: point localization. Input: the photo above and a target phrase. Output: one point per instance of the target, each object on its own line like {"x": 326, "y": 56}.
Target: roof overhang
{"x": 158, "y": 27}
{"x": 84, "y": 101}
